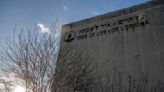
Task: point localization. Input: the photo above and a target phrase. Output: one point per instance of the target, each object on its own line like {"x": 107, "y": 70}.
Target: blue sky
{"x": 27, "y": 13}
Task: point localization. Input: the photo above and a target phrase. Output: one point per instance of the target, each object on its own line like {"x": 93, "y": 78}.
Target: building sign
{"x": 106, "y": 28}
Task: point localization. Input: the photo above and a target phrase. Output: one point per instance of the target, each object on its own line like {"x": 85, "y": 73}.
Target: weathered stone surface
{"x": 129, "y": 41}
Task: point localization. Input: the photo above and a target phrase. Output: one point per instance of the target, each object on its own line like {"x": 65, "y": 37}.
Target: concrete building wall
{"x": 128, "y": 41}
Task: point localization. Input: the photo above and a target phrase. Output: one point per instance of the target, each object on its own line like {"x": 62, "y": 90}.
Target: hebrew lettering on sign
{"x": 121, "y": 25}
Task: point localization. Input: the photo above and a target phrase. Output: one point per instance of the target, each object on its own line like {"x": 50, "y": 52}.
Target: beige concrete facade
{"x": 129, "y": 41}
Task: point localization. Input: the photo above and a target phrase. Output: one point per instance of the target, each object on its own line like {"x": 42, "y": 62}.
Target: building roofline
{"x": 116, "y": 13}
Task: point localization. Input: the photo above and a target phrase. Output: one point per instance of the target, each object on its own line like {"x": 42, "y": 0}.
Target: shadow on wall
{"x": 86, "y": 84}
{"x": 130, "y": 84}
{"x": 77, "y": 72}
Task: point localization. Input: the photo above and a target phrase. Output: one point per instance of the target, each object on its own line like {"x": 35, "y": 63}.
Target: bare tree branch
{"x": 32, "y": 57}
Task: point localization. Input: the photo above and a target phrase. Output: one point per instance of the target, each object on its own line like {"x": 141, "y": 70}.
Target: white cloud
{"x": 43, "y": 28}
{"x": 65, "y": 7}
{"x": 95, "y": 13}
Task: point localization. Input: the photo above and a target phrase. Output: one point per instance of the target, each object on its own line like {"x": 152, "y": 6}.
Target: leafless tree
{"x": 75, "y": 71}
{"x": 7, "y": 82}
{"x": 5, "y": 85}
{"x": 31, "y": 57}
